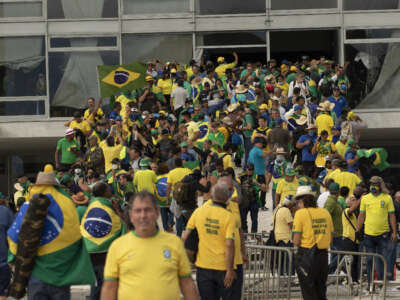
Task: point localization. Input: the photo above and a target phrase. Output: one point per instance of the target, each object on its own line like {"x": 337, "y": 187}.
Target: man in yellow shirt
{"x": 94, "y": 113}
{"x": 324, "y": 121}
{"x": 111, "y": 150}
{"x": 176, "y": 175}
{"x": 375, "y": 210}
{"x": 81, "y": 127}
{"x": 216, "y": 227}
{"x": 312, "y": 226}
{"x": 286, "y": 186}
{"x": 147, "y": 263}
{"x": 341, "y": 145}
{"x": 221, "y": 69}
{"x": 346, "y": 178}
{"x": 145, "y": 178}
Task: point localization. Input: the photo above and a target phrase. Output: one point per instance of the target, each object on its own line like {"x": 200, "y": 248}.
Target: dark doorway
{"x": 292, "y": 45}
{"x": 258, "y": 54}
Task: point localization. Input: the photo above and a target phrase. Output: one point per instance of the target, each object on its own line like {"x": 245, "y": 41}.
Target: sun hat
{"x": 302, "y": 120}
{"x": 69, "y": 131}
{"x": 326, "y": 106}
{"x": 232, "y": 107}
{"x": 304, "y": 190}
{"x": 46, "y": 178}
{"x": 241, "y": 89}
{"x": 227, "y": 121}
{"x": 197, "y": 80}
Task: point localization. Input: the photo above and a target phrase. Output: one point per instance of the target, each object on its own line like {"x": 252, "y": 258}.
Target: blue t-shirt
{"x": 350, "y": 155}
{"x": 339, "y": 104}
{"x": 255, "y": 157}
{"x": 6, "y": 219}
{"x": 306, "y": 150}
{"x": 335, "y": 138}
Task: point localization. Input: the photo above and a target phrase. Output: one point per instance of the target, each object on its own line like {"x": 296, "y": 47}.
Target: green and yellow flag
{"x": 378, "y": 155}
{"x": 124, "y": 78}
{"x": 101, "y": 225}
{"x": 62, "y": 258}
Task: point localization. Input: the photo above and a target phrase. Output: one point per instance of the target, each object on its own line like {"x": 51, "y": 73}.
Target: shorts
{"x": 5, "y": 278}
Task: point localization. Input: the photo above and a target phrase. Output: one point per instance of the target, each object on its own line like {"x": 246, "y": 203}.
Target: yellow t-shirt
{"x": 333, "y": 175}
{"x": 165, "y": 86}
{"x": 145, "y": 180}
{"x": 286, "y": 188}
{"x": 110, "y": 153}
{"x": 376, "y": 211}
{"x": 83, "y": 126}
{"x": 141, "y": 264}
{"x": 284, "y": 87}
{"x": 227, "y": 161}
{"x": 192, "y": 129}
{"x": 323, "y": 150}
{"x": 282, "y": 230}
{"x": 341, "y": 148}
{"x": 348, "y": 230}
{"x": 321, "y": 225}
{"x": 324, "y": 122}
{"x": 88, "y": 116}
{"x": 214, "y": 225}
{"x": 177, "y": 174}
{"x": 348, "y": 179}
{"x": 124, "y": 101}
{"x": 221, "y": 69}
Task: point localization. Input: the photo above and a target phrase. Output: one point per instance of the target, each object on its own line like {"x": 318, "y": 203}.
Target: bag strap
{"x": 275, "y": 217}
{"x": 312, "y": 230}
{"x": 348, "y": 219}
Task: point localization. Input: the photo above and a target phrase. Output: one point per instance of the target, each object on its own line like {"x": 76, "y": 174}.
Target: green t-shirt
{"x": 67, "y": 156}
{"x": 248, "y": 119}
{"x": 342, "y": 202}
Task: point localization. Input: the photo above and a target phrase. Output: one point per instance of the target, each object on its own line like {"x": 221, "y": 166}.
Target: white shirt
{"x": 322, "y": 199}
{"x": 303, "y": 88}
{"x": 179, "y": 95}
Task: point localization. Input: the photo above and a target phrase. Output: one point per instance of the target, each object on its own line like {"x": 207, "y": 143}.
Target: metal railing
{"x": 270, "y": 275}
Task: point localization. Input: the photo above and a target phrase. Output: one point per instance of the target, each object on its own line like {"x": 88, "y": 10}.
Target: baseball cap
{"x": 334, "y": 187}
{"x": 184, "y": 144}
{"x": 220, "y": 59}
{"x": 69, "y": 131}
{"x": 297, "y": 107}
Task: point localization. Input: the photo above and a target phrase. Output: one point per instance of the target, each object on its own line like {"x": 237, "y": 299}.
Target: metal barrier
{"x": 271, "y": 275}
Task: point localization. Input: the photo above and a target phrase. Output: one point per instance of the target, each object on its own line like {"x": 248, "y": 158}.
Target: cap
{"x": 48, "y": 168}
{"x": 144, "y": 162}
{"x": 220, "y": 59}
{"x": 290, "y": 172}
{"x": 184, "y": 144}
{"x": 149, "y": 78}
{"x": 154, "y": 132}
{"x": 69, "y": 131}
{"x": 173, "y": 71}
{"x": 293, "y": 68}
{"x": 227, "y": 121}
{"x": 351, "y": 142}
{"x": 334, "y": 187}
{"x": 337, "y": 127}
{"x": 297, "y": 107}
{"x": 263, "y": 106}
{"x": 258, "y": 140}
{"x": 118, "y": 118}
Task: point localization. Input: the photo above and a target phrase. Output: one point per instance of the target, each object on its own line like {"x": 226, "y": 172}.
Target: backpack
{"x": 181, "y": 191}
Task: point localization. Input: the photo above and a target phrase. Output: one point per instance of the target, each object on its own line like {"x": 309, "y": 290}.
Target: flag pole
{"x": 98, "y": 82}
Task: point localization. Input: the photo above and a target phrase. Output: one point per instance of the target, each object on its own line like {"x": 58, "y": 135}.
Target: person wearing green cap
{"x": 286, "y": 186}
{"x": 351, "y": 156}
{"x": 335, "y": 210}
{"x": 145, "y": 178}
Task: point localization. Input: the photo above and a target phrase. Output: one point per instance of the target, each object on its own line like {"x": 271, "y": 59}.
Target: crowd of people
{"x": 201, "y": 146}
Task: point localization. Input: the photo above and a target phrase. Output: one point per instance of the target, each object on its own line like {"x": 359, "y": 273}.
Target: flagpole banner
{"x": 123, "y": 78}
{"x": 379, "y": 157}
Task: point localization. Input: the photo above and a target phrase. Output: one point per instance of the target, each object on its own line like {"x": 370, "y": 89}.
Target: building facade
{"x": 49, "y": 51}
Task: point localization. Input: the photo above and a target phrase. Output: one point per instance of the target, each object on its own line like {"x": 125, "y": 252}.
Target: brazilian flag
{"x": 101, "y": 225}
{"x": 378, "y": 156}
{"x": 62, "y": 258}
{"x": 123, "y": 78}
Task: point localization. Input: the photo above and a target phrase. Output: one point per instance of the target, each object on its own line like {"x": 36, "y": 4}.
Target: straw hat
{"x": 80, "y": 199}
{"x": 233, "y": 107}
{"x": 326, "y": 106}
{"x": 241, "y": 89}
{"x": 302, "y": 120}
{"x": 304, "y": 190}
{"x": 227, "y": 121}
{"x": 197, "y": 80}
{"x": 46, "y": 178}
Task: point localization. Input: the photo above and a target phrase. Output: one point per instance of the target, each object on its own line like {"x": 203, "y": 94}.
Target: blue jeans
{"x": 5, "y": 278}
{"x": 391, "y": 258}
{"x": 95, "y": 290}
{"x": 247, "y": 148}
{"x": 39, "y": 290}
{"x": 284, "y": 269}
{"x": 237, "y": 284}
{"x": 336, "y": 245}
{"x": 167, "y": 218}
{"x": 180, "y": 225}
{"x": 211, "y": 285}
{"x": 375, "y": 244}
{"x": 253, "y": 209}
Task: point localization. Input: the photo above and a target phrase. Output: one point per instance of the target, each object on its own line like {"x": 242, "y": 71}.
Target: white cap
{"x": 69, "y": 131}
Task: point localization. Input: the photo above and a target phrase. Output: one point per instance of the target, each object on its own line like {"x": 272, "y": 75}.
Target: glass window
{"x": 22, "y": 108}
{"x": 373, "y": 74}
{"x": 20, "y": 9}
{"x": 132, "y": 7}
{"x": 231, "y": 38}
{"x": 165, "y": 47}
{"x": 22, "y": 66}
{"x": 213, "y": 7}
{"x": 370, "y": 4}
{"x": 104, "y": 41}
{"x": 73, "y": 78}
{"x": 303, "y": 4}
{"x": 372, "y": 33}
{"x": 77, "y": 9}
